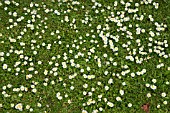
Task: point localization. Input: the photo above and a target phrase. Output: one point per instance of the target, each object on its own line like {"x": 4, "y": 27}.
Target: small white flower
{"x": 1, "y": 105}
{"x": 118, "y": 99}
{"x": 148, "y": 95}
{"x": 90, "y": 93}
{"x": 106, "y": 72}
{"x": 153, "y": 87}
{"x": 168, "y": 68}
{"x": 138, "y": 73}
{"x": 20, "y": 95}
{"x": 85, "y": 85}
{"x": 47, "y": 10}
{"x": 26, "y": 89}
{"x": 88, "y": 68}
{"x": 147, "y": 85}
{"x": 165, "y": 102}
{"x": 31, "y": 109}
{"x": 99, "y": 83}
{"x": 100, "y": 109}
{"x": 115, "y": 63}
{"x": 18, "y": 69}
{"x": 52, "y": 82}
{"x": 28, "y": 76}
{"x": 110, "y": 104}
{"x": 84, "y": 111}
{"x": 12, "y": 105}
{"x": 152, "y": 33}
{"x": 72, "y": 87}
{"x": 99, "y": 27}
{"x": 5, "y": 66}
{"x": 66, "y": 19}
{"x": 3, "y": 92}
{"x": 121, "y": 92}
{"x": 34, "y": 90}
{"x": 143, "y": 70}
{"x": 129, "y": 105}
{"x": 34, "y": 52}
{"x": 110, "y": 81}
{"x": 123, "y": 83}
{"x": 39, "y": 62}
{"x": 14, "y": 14}
{"x": 19, "y": 106}
{"x": 163, "y": 94}
{"x": 31, "y": 69}
{"x": 10, "y": 20}
{"x": 7, "y": 2}
{"x": 64, "y": 65}
{"x": 132, "y": 74}
{"x": 158, "y": 106}
{"x": 39, "y": 104}
{"x": 60, "y": 97}
{"x": 45, "y": 84}
{"x": 45, "y": 72}
{"x": 154, "y": 80}
{"x": 106, "y": 88}
{"x": 82, "y": 70}
{"x": 4, "y": 87}
{"x": 92, "y": 89}
{"x": 167, "y": 83}
{"x": 84, "y": 93}
{"x": 22, "y": 88}
{"x": 66, "y": 95}
{"x": 9, "y": 85}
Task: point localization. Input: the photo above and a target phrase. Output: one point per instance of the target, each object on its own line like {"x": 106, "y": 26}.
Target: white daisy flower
{"x": 118, "y": 99}
{"x": 34, "y": 90}
{"x": 163, "y": 94}
{"x": 121, "y": 92}
{"x": 27, "y": 106}
{"x": 153, "y": 87}
{"x": 5, "y": 66}
{"x": 19, "y": 106}
{"x": 154, "y": 80}
{"x": 14, "y": 14}
{"x": 39, "y": 104}
{"x": 110, "y": 81}
{"x": 106, "y": 88}
{"x": 148, "y": 95}
{"x": 31, "y": 109}
{"x": 7, "y": 2}
{"x": 84, "y": 111}
{"x": 129, "y": 105}
{"x": 158, "y": 106}
{"x": 165, "y": 102}
{"x": 147, "y": 85}
{"x": 110, "y": 104}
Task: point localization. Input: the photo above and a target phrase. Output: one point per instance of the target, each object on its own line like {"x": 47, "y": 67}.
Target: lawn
{"x": 84, "y": 56}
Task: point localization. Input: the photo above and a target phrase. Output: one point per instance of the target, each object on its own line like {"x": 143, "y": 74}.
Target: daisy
{"x": 19, "y": 106}
{"x": 5, "y": 66}
{"x": 163, "y": 94}
{"x": 129, "y": 105}
{"x": 110, "y": 104}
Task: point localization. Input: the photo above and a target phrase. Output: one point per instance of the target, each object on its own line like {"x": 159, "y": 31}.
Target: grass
{"x": 135, "y": 88}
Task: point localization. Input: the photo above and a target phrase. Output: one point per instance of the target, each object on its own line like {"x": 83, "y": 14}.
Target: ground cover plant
{"x": 84, "y": 56}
